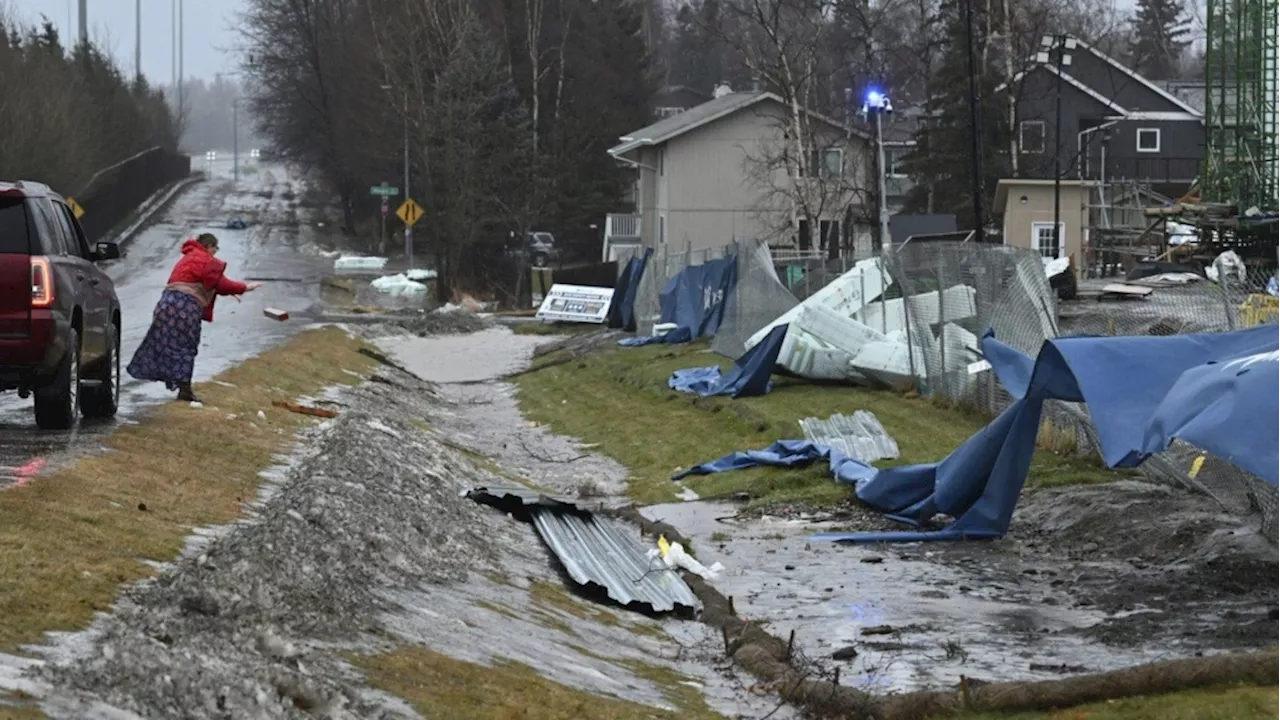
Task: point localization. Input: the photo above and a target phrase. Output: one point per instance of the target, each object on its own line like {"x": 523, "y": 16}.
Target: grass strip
{"x": 70, "y": 539}
{"x": 439, "y": 686}
{"x": 620, "y": 400}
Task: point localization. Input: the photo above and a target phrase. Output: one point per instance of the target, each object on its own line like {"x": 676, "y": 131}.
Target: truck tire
{"x": 58, "y": 401}
{"x": 103, "y": 399}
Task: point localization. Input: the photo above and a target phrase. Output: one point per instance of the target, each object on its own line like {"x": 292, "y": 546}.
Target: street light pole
{"x": 878, "y": 104}
{"x": 235, "y": 138}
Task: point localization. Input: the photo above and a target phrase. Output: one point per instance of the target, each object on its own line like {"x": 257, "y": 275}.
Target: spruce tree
{"x": 1160, "y": 29}
{"x": 941, "y": 165}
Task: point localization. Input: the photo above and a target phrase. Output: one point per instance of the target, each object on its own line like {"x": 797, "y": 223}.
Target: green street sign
{"x": 384, "y": 190}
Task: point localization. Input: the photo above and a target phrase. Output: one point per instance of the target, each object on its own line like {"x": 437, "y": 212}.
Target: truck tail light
{"x": 41, "y": 282}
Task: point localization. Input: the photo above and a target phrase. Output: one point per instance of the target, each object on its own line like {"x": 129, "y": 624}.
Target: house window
{"x": 662, "y": 228}
{"x": 895, "y": 160}
{"x": 1042, "y": 236}
{"x": 1149, "y": 140}
{"x": 827, "y": 163}
{"x": 828, "y": 234}
{"x": 1031, "y": 137}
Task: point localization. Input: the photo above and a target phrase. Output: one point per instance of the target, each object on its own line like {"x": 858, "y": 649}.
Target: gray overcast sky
{"x": 208, "y": 37}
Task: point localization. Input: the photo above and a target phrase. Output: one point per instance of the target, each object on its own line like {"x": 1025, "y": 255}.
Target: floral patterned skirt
{"x": 168, "y": 352}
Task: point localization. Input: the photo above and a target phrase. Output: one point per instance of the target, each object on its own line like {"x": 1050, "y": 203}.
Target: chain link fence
{"x": 943, "y": 296}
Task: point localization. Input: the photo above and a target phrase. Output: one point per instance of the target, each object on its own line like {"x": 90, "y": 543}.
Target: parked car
{"x": 538, "y": 247}
{"x": 59, "y": 314}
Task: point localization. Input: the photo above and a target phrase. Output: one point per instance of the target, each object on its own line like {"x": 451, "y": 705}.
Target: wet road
{"x": 278, "y": 242}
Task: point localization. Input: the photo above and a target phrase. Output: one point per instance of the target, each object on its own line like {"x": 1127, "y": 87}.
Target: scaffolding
{"x": 1240, "y": 104}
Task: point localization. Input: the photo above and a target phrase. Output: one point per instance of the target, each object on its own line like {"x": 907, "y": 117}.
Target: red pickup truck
{"x": 59, "y": 314}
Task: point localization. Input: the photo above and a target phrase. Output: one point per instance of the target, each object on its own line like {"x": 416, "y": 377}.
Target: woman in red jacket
{"x": 168, "y": 353}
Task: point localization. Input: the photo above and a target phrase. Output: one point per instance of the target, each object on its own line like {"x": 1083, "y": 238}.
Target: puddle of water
{"x": 943, "y": 619}
{"x": 493, "y": 617}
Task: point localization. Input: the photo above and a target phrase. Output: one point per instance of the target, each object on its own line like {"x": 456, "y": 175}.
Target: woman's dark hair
{"x": 209, "y": 240}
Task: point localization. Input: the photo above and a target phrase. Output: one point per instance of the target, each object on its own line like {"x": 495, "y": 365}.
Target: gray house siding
{"x": 1171, "y": 167}
{"x": 1036, "y": 104}
{"x": 1181, "y": 150}
{"x": 1116, "y": 85}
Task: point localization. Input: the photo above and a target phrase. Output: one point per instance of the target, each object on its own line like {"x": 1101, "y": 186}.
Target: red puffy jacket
{"x": 199, "y": 267}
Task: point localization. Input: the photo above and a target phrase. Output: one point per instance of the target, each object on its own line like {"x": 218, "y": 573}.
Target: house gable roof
{"x": 708, "y": 112}
{"x": 1185, "y": 107}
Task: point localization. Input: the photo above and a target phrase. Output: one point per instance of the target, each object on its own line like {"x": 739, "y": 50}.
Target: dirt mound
{"x": 1152, "y": 523}
{"x": 451, "y": 322}
{"x": 236, "y": 629}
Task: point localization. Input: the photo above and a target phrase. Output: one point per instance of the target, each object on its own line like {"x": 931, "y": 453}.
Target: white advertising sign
{"x": 576, "y": 303}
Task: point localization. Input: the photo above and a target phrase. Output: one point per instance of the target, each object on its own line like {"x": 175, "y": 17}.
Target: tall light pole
{"x": 1061, "y": 44}
{"x": 84, "y": 22}
{"x": 235, "y": 126}
{"x": 878, "y": 104}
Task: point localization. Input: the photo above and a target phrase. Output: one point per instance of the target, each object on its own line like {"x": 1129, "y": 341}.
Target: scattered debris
{"x": 304, "y": 410}
{"x": 860, "y": 435}
{"x": 878, "y": 630}
{"x": 276, "y": 314}
{"x": 399, "y": 286}
{"x": 1125, "y": 291}
{"x": 848, "y": 652}
{"x": 353, "y": 262}
{"x": 596, "y": 553}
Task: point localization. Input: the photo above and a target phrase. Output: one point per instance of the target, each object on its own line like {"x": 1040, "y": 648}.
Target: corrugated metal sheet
{"x": 597, "y": 551}
{"x": 860, "y": 435}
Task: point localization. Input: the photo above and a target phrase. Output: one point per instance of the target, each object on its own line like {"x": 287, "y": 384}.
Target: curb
{"x": 150, "y": 207}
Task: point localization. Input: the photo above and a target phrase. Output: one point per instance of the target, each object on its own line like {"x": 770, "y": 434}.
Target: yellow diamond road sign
{"x": 410, "y": 212}
{"x": 75, "y": 207}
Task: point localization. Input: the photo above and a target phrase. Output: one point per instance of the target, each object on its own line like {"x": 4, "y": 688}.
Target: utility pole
{"x": 181, "y": 76}
{"x": 975, "y": 126}
{"x": 1061, "y": 44}
{"x": 84, "y": 22}
{"x": 137, "y": 42}
{"x": 408, "y": 229}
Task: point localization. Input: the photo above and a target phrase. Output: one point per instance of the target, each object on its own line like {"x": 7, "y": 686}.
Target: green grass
{"x": 620, "y": 400}
{"x": 553, "y": 328}
{"x": 1242, "y": 703}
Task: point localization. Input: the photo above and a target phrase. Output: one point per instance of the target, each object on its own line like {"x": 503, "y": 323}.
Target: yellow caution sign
{"x": 75, "y": 208}
{"x": 409, "y": 212}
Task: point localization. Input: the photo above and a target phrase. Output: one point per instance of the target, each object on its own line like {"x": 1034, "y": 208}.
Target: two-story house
{"x": 1116, "y": 124}
{"x": 730, "y": 169}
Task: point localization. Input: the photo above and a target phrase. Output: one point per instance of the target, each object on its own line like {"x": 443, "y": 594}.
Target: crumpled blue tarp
{"x": 236, "y": 224}
{"x": 749, "y": 375}
{"x": 625, "y": 292}
{"x": 1217, "y": 391}
{"x": 788, "y": 454}
{"x": 695, "y": 300}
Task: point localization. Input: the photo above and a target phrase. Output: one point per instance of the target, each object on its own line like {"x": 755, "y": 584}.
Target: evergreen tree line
{"x": 68, "y": 113}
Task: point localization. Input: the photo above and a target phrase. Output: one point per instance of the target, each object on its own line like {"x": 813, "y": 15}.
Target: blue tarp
{"x": 624, "y": 295}
{"x": 749, "y": 375}
{"x": 694, "y": 300}
{"x": 787, "y": 454}
{"x": 1217, "y": 391}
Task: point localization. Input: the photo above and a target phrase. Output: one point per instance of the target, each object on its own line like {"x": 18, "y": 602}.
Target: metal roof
{"x": 595, "y": 550}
